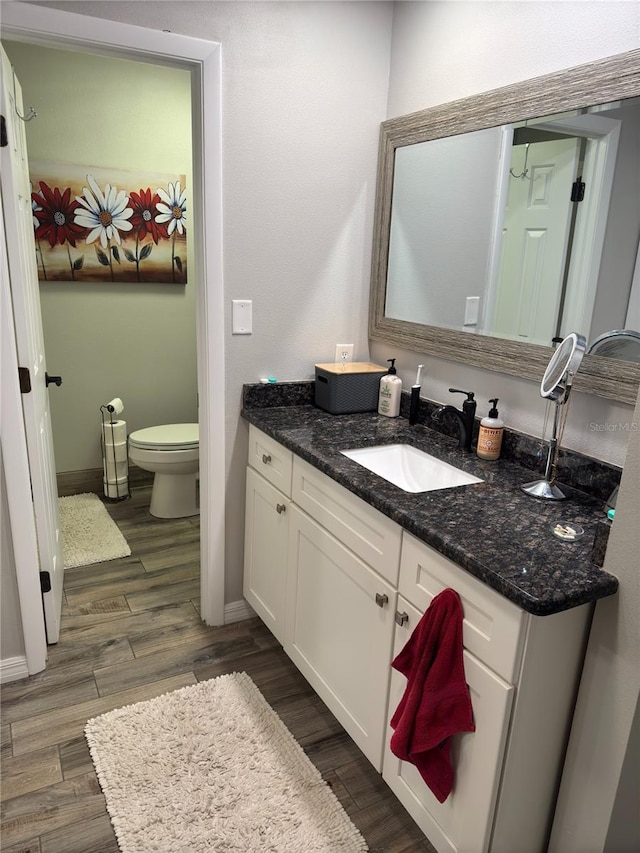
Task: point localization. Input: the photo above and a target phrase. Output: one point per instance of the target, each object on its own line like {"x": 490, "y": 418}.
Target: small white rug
{"x": 211, "y": 767}
{"x": 89, "y": 535}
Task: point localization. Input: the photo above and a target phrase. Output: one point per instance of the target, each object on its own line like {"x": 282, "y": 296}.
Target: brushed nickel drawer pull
{"x": 381, "y": 600}
{"x": 401, "y": 618}
{"x": 266, "y": 459}
{"x": 280, "y": 508}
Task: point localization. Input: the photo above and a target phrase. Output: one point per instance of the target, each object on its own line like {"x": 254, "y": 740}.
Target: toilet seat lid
{"x": 166, "y": 437}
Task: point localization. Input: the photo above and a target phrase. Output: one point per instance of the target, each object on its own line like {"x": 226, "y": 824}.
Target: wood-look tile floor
{"x": 131, "y": 631}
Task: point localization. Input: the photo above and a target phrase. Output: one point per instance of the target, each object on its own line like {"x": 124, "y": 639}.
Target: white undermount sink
{"x": 409, "y": 468}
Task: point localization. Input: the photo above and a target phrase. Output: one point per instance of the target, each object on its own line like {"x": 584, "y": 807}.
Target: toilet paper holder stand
{"x": 115, "y": 470}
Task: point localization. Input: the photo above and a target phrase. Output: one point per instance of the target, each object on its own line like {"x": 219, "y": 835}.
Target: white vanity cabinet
{"x": 268, "y": 499}
{"x": 332, "y": 577}
{"x": 522, "y": 671}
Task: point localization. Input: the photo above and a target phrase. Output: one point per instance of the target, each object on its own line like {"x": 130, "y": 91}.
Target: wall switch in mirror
{"x": 471, "y": 308}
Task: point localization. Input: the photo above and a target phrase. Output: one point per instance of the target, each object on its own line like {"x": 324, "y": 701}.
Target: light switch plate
{"x": 241, "y": 316}
{"x": 471, "y": 309}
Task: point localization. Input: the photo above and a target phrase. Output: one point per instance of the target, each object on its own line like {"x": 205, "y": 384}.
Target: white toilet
{"x": 171, "y": 452}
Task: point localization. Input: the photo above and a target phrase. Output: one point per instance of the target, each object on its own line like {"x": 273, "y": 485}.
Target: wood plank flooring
{"x": 131, "y": 630}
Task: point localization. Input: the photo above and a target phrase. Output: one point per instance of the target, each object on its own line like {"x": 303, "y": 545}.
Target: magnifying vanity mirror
{"x": 555, "y": 387}
{"x": 507, "y": 219}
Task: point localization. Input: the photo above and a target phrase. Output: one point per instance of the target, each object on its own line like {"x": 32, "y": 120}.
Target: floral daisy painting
{"x": 94, "y": 224}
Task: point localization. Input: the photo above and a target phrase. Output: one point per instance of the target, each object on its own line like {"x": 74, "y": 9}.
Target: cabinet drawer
{"x": 367, "y": 532}
{"x": 464, "y": 821}
{"x": 493, "y": 627}
{"x": 271, "y": 459}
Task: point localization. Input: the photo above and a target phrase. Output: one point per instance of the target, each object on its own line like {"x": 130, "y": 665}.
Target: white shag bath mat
{"x": 89, "y": 535}
{"x": 211, "y": 767}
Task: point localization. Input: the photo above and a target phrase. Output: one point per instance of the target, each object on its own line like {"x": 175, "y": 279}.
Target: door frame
{"x": 70, "y": 31}
{"x": 603, "y": 134}
{"x": 588, "y": 243}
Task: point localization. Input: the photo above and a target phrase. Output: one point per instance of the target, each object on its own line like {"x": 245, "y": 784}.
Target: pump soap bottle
{"x": 490, "y": 435}
{"x": 389, "y": 396}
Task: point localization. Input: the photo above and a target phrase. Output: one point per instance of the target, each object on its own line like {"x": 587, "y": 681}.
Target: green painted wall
{"x": 134, "y": 341}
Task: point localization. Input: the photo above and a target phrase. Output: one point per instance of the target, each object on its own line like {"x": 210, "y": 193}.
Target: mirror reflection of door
{"x": 535, "y": 238}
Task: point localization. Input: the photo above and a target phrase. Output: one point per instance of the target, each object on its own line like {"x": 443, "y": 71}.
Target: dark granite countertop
{"x": 491, "y": 529}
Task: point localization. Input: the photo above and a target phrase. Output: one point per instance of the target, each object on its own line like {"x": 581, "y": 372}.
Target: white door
{"x": 23, "y": 274}
{"x": 534, "y": 241}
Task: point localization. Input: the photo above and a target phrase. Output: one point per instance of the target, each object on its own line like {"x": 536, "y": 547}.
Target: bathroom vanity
{"x": 340, "y": 565}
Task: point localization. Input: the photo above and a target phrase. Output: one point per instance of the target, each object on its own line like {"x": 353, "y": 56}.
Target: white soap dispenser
{"x": 390, "y": 389}
{"x": 491, "y": 432}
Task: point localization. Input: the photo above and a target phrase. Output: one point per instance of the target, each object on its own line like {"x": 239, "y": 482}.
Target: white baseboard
{"x": 236, "y": 611}
{"x": 12, "y": 669}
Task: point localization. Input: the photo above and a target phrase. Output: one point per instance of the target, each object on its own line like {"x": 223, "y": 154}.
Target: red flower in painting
{"x": 56, "y": 215}
{"x": 144, "y": 213}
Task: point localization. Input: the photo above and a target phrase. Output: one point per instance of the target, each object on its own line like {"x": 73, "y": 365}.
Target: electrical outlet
{"x": 344, "y": 353}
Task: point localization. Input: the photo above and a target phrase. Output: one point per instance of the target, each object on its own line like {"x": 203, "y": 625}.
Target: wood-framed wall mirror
{"x": 483, "y": 252}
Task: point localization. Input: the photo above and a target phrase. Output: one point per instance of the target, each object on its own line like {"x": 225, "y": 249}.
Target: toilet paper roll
{"x": 116, "y": 452}
{"x": 115, "y": 433}
{"x": 116, "y": 405}
{"x": 116, "y": 490}
{"x": 113, "y": 471}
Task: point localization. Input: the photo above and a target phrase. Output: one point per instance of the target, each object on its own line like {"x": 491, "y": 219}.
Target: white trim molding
{"x": 13, "y": 669}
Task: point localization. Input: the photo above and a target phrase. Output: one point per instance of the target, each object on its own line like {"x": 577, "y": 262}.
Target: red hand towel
{"x": 436, "y": 702}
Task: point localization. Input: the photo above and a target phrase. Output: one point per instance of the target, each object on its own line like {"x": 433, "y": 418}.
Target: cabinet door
{"x": 265, "y": 551}
{"x": 338, "y": 633}
{"x": 463, "y": 822}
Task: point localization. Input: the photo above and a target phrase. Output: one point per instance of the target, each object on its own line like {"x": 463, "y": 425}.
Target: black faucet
{"x": 465, "y": 418}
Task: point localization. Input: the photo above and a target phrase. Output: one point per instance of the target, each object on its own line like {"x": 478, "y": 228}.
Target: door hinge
{"x": 4, "y": 141}
{"x": 577, "y": 190}
{"x": 45, "y": 582}
{"x": 25, "y": 380}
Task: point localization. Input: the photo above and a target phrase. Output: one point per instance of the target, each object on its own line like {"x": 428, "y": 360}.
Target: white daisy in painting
{"x": 173, "y": 208}
{"x": 104, "y": 215}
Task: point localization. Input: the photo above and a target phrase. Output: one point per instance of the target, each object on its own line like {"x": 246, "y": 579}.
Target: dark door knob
{"x": 55, "y": 380}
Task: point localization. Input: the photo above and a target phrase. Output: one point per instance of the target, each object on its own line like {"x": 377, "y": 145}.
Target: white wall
{"x": 128, "y": 340}
{"x": 304, "y": 92}
{"x": 442, "y": 196}
{"x": 620, "y": 248}
{"x": 445, "y": 50}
